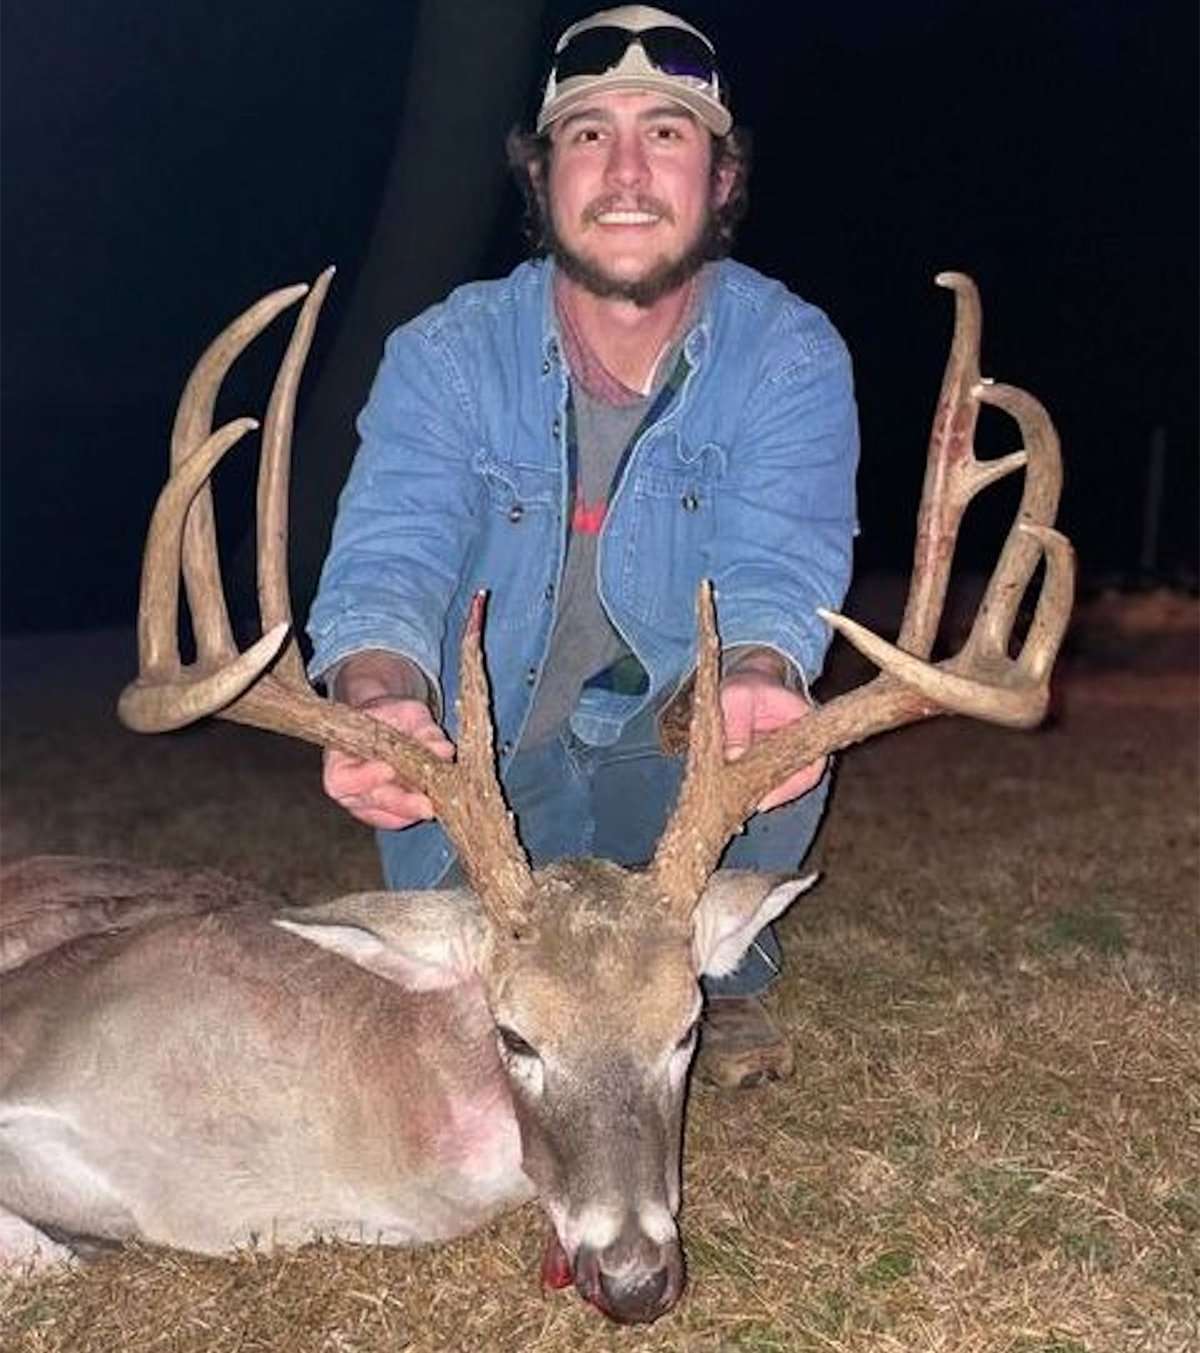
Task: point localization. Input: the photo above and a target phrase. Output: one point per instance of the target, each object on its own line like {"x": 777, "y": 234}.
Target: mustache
{"x": 615, "y": 202}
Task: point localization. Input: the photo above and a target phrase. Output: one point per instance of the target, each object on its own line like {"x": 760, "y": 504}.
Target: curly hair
{"x": 529, "y": 159}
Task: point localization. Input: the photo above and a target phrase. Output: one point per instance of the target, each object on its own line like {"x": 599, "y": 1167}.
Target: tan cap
{"x": 635, "y": 70}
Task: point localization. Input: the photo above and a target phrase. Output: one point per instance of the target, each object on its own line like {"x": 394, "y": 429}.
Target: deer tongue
{"x": 556, "y": 1268}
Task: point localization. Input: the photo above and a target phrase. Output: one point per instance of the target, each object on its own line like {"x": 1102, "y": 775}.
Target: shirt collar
{"x": 695, "y": 328}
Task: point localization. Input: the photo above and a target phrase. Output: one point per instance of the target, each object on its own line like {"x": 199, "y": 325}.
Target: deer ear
{"x": 422, "y": 941}
{"x": 733, "y": 908}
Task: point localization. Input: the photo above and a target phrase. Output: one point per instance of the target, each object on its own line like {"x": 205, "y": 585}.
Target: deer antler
{"x": 266, "y": 686}
{"x": 981, "y": 680}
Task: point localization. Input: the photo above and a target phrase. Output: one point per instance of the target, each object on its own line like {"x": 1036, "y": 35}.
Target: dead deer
{"x": 185, "y": 1063}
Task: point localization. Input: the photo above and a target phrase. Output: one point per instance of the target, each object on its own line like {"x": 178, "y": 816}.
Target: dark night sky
{"x": 165, "y": 164}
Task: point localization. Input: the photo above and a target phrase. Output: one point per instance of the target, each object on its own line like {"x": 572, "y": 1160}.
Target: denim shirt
{"x": 460, "y": 485}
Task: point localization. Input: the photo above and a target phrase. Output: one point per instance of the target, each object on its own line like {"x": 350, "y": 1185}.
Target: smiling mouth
{"x": 626, "y": 218}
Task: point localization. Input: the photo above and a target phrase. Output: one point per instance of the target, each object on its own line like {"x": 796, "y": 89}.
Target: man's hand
{"x": 755, "y": 701}
{"x": 390, "y": 689}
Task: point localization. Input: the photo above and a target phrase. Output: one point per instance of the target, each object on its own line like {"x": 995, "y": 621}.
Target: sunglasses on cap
{"x": 673, "y": 51}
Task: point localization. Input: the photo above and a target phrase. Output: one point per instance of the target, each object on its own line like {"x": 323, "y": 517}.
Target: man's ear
{"x": 424, "y": 941}
{"x": 722, "y": 183}
{"x": 734, "y": 907}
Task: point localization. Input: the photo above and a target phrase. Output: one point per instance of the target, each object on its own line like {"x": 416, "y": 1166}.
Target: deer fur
{"x": 204, "y": 1070}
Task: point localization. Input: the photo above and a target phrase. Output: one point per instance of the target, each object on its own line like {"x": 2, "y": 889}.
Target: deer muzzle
{"x": 633, "y": 1280}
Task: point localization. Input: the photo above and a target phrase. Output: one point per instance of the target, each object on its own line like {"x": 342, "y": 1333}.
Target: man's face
{"x": 630, "y": 195}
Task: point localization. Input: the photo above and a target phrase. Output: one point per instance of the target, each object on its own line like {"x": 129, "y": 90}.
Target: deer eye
{"x": 514, "y": 1043}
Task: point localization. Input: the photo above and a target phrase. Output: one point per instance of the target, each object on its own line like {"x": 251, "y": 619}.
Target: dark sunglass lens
{"x": 592, "y": 52}
{"x": 676, "y": 52}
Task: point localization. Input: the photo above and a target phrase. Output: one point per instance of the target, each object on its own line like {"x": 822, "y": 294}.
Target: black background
{"x": 165, "y": 164}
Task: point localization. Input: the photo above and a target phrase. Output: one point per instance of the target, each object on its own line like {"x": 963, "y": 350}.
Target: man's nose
{"x": 627, "y": 165}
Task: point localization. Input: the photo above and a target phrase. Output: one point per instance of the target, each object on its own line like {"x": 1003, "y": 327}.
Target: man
{"x": 586, "y": 439}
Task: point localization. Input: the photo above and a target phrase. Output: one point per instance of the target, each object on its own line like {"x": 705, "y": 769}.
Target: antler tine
{"x": 193, "y": 425}
{"x": 980, "y": 681}
{"x": 472, "y": 807}
{"x": 953, "y": 475}
{"x": 996, "y": 688}
{"x": 274, "y": 601}
{"x": 705, "y": 812}
{"x": 951, "y": 441}
{"x": 1019, "y": 557}
{"x": 167, "y": 694}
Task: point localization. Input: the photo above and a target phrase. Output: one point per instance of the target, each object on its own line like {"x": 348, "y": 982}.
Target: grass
{"x": 992, "y": 1142}
{"x": 1097, "y": 930}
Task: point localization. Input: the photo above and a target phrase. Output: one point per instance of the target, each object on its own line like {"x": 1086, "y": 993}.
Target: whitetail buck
{"x": 186, "y": 1064}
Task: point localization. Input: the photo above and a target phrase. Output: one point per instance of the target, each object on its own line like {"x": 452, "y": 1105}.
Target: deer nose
{"x": 637, "y": 1300}
{"x": 631, "y": 1289}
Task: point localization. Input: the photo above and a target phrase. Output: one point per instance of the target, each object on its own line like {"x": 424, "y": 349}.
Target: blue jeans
{"x": 572, "y": 799}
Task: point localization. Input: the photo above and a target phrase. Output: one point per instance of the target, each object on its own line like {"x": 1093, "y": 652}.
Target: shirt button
{"x": 531, "y": 676}
{"x": 549, "y": 592}
{"x": 690, "y": 502}
{"x": 506, "y": 749}
{"x": 555, "y": 427}
{"x": 515, "y": 513}
{"x": 546, "y": 367}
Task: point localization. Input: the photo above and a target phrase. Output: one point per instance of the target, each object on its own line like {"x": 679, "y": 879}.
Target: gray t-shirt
{"x": 584, "y": 641}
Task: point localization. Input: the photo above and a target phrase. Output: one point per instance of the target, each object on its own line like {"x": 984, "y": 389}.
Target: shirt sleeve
{"x": 784, "y": 539}
{"x": 406, "y": 514}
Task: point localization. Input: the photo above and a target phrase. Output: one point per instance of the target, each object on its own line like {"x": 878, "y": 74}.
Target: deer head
{"x": 596, "y": 1078}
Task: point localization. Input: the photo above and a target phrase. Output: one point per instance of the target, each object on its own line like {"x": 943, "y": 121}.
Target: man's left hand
{"x": 754, "y": 702}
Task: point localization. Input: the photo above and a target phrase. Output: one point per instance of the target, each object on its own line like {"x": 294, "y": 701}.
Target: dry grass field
{"x": 993, "y": 1138}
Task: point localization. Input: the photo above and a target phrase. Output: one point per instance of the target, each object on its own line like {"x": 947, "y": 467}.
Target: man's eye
{"x": 588, "y": 135}
{"x": 666, "y": 133}
{"x": 514, "y": 1043}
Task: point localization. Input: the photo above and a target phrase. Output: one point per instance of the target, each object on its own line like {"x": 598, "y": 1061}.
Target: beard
{"x": 664, "y": 276}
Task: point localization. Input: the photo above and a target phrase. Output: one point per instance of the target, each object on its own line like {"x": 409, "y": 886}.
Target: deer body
{"x": 207, "y": 1081}
{"x": 253, "y": 1074}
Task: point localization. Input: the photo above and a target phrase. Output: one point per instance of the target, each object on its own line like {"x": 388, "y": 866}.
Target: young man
{"x": 586, "y": 439}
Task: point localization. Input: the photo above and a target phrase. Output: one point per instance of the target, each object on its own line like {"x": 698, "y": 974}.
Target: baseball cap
{"x": 636, "y": 47}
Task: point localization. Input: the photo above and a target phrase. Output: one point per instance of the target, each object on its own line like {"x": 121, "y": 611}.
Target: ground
{"x": 993, "y": 1138}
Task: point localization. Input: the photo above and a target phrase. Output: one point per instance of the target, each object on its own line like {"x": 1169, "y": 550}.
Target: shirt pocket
{"x": 516, "y": 558}
{"x": 670, "y": 543}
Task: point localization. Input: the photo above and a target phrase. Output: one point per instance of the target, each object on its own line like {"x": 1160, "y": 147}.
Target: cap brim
{"x": 715, "y": 116}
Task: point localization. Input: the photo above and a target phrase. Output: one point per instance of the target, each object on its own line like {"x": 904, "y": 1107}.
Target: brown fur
{"x": 201, "y": 1078}
{"x": 48, "y": 900}
{"x": 593, "y": 926}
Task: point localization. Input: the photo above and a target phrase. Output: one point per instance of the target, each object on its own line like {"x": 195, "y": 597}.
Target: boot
{"x": 740, "y": 1045}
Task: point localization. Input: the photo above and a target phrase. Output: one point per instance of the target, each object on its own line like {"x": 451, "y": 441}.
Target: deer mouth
{"x": 637, "y": 1299}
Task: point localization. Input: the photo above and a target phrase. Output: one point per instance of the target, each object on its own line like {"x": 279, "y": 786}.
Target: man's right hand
{"x": 383, "y": 686}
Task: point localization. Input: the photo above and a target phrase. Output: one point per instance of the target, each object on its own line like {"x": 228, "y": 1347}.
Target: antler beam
{"x": 981, "y": 680}
{"x": 265, "y": 687}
